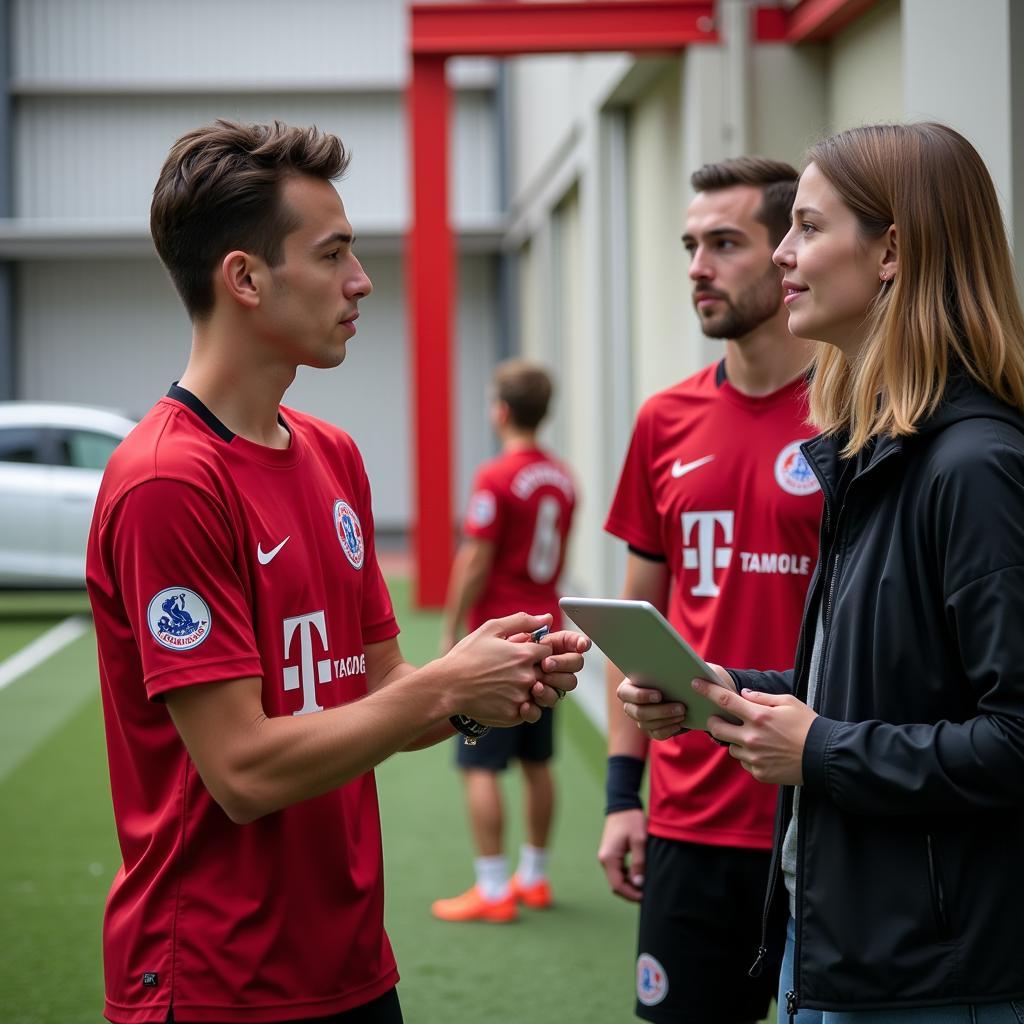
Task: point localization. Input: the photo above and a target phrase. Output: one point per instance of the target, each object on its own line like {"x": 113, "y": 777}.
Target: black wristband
{"x": 622, "y": 787}
{"x": 469, "y": 727}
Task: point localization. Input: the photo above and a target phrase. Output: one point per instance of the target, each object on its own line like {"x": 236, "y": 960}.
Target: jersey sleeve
{"x": 173, "y": 555}
{"x": 633, "y": 516}
{"x": 378, "y": 614}
{"x": 484, "y": 511}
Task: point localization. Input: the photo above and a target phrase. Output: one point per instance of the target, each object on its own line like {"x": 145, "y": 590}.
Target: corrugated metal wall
{"x": 99, "y": 156}
{"x": 350, "y": 42}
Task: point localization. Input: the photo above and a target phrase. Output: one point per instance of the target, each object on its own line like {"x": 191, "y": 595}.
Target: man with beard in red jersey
{"x": 720, "y": 513}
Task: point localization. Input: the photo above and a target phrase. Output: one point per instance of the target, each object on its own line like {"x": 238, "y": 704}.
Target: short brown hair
{"x": 526, "y": 389}
{"x": 220, "y": 189}
{"x": 953, "y": 298}
{"x": 776, "y": 179}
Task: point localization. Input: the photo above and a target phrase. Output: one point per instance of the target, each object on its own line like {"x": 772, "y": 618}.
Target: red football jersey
{"x": 213, "y": 558}
{"x": 522, "y": 502}
{"x": 714, "y": 481}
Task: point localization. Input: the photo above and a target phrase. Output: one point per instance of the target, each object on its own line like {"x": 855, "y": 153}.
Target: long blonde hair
{"x": 953, "y": 297}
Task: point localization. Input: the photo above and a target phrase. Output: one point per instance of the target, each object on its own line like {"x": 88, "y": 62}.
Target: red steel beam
{"x": 431, "y": 283}
{"x": 814, "y": 20}
{"x": 505, "y": 29}
{"x": 770, "y": 24}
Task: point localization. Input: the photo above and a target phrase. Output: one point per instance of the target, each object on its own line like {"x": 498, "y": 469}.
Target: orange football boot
{"x": 471, "y": 906}
{"x": 537, "y": 896}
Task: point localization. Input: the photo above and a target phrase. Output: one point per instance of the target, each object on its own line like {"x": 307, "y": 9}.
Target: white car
{"x": 51, "y": 461}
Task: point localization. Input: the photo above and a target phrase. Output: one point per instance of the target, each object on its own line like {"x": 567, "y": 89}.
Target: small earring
{"x": 884, "y": 278}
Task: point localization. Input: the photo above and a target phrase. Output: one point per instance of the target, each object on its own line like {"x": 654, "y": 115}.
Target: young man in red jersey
{"x": 250, "y": 672}
{"x": 515, "y": 531}
{"x": 720, "y": 513}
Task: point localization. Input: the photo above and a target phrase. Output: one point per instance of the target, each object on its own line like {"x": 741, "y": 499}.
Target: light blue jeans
{"x": 980, "y": 1013}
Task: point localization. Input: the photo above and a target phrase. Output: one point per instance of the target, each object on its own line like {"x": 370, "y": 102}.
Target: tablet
{"x": 642, "y": 644}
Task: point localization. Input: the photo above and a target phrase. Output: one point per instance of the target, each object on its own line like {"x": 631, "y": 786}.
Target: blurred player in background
{"x": 515, "y": 532}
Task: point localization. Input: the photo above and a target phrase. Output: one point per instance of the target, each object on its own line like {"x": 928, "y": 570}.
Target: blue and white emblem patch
{"x": 651, "y": 980}
{"x": 350, "y": 533}
{"x": 179, "y": 619}
{"x": 482, "y": 508}
{"x": 792, "y": 473}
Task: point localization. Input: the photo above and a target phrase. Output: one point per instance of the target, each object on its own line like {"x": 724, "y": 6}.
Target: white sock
{"x": 492, "y": 876}
{"x": 533, "y": 864}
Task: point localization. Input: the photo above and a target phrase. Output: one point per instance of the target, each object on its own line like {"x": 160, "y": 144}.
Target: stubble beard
{"x": 757, "y": 304}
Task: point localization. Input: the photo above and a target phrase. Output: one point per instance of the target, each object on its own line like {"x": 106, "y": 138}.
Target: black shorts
{"x": 700, "y": 929}
{"x": 384, "y": 1009}
{"x": 529, "y": 742}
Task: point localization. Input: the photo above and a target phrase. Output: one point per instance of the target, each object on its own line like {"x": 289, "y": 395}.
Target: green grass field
{"x": 58, "y": 854}
{"x": 571, "y": 964}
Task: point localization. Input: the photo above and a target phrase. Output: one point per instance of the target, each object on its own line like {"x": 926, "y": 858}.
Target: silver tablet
{"x": 643, "y": 645}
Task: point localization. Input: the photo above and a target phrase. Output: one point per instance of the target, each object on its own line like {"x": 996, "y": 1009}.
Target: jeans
{"x": 980, "y": 1013}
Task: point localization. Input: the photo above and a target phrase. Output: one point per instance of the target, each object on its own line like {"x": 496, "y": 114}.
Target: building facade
{"x": 568, "y": 184}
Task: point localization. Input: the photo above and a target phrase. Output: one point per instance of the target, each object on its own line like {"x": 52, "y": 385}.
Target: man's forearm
{"x": 433, "y": 734}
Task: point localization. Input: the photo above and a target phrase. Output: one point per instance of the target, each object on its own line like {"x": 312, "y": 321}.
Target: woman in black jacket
{"x": 898, "y": 736}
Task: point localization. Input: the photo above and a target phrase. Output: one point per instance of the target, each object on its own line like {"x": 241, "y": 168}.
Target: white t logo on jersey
{"x": 303, "y": 674}
{"x": 703, "y": 555}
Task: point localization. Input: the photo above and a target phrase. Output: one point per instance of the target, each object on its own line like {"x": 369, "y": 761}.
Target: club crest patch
{"x": 651, "y": 980}
{"x": 350, "y": 533}
{"x": 179, "y": 619}
{"x": 792, "y": 473}
{"x": 482, "y": 508}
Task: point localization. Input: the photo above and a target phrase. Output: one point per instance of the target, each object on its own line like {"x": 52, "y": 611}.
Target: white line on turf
{"x": 42, "y": 647}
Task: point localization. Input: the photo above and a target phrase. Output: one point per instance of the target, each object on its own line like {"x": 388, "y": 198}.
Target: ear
{"x": 502, "y": 413}
{"x": 241, "y": 277}
{"x": 890, "y": 262}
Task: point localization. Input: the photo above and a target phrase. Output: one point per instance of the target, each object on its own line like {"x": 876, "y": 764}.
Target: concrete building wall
{"x": 551, "y": 98}
{"x": 789, "y": 100}
{"x": 865, "y": 70}
{"x": 962, "y": 68}
{"x": 567, "y": 130}
{"x": 661, "y": 342}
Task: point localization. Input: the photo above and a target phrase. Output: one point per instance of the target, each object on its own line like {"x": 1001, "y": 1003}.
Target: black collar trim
{"x": 179, "y": 394}
{"x": 720, "y": 377}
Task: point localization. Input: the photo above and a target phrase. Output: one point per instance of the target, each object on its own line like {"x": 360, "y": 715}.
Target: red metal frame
{"x": 442, "y": 30}
{"x": 504, "y": 29}
{"x": 815, "y": 20}
{"x": 431, "y": 284}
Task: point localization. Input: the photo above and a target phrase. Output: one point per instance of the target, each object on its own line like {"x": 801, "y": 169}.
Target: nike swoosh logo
{"x": 682, "y": 468}
{"x": 266, "y": 557}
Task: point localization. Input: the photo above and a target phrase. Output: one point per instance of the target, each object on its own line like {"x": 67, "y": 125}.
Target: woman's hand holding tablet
{"x": 658, "y": 663}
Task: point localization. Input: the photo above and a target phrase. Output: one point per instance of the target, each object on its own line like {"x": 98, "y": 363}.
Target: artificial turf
{"x": 59, "y": 852}
{"x": 572, "y": 964}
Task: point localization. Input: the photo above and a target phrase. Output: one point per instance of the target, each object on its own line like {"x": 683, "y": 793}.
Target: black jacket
{"x": 910, "y": 878}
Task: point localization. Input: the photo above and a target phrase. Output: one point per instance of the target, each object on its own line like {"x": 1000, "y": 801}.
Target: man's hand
{"x": 492, "y": 677}
{"x": 770, "y": 740}
{"x": 623, "y": 853}
{"x": 556, "y": 675}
